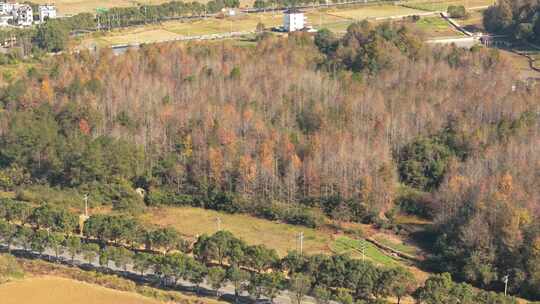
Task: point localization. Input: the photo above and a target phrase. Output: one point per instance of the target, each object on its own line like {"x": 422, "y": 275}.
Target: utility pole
{"x": 86, "y": 205}
{"x": 505, "y": 280}
{"x": 363, "y": 248}
{"x": 301, "y": 241}
{"x": 218, "y": 222}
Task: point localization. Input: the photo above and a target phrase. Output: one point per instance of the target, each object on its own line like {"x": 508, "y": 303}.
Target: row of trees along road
{"x": 255, "y": 269}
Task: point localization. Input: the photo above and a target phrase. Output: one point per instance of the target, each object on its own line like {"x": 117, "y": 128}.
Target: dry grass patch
{"x": 282, "y": 237}
{"x": 72, "y": 7}
{"x": 375, "y": 11}
{"x": 146, "y": 36}
{"x": 442, "y": 5}
{"x": 56, "y": 290}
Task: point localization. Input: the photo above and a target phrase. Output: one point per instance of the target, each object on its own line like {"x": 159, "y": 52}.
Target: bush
{"x": 415, "y": 202}
{"x": 51, "y": 195}
{"x": 457, "y": 11}
{"x": 9, "y": 268}
{"x": 224, "y": 201}
{"x": 273, "y": 211}
{"x": 304, "y": 216}
{"x": 160, "y": 196}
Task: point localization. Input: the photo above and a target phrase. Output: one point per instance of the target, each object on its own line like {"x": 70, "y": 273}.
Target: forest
{"x": 521, "y": 19}
{"x": 354, "y": 128}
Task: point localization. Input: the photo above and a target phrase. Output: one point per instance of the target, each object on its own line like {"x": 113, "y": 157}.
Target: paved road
{"x": 226, "y": 293}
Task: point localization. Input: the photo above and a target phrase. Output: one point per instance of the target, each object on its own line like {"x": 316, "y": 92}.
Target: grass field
{"x": 375, "y": 11}
{"x": 282, "y": 237}
{"x": 442, "y": 5}
{"x": 56, "y": 290}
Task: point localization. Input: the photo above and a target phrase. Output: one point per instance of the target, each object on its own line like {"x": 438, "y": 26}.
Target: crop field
{"x": 353, "y": 247}
{"x": 435, "y": 27}
{"x": 176, "y": 29}
{"x": 56, "y": 290}
{"x": 395, "y": 243}
{"x": 335, "y": 19}
{"x": 282, "y": 237}
{"x": 371, "y": 12}
{"x": 72, "y": 7}
{"x": 442, "y": 5}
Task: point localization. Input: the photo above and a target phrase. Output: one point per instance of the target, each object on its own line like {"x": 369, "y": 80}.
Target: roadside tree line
{"x": 218, "y": 259}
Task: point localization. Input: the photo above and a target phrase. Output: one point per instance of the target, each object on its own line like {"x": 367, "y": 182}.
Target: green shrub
{"x": 414, "y": 202}
{"x": 163, "y": 196}
{"x": 55, "y": 196}
{"x": 304, "y": 216}
{"x": 9, "y": 268}
{"x": 457, "y": 11}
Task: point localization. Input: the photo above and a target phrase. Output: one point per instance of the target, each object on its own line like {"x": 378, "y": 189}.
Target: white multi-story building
{"x": 46, "y": 12}
{"x": 7, "y": 8}
{"x": 24, "y": 15}
{"x": 16, "y": 14}
{"x": 293, "y": 20}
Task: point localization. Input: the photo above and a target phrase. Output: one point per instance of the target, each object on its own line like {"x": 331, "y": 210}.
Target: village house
{"x": 16, "y": 14}
{"x": 46, "y": 12}
{"x": 293, "y": 20}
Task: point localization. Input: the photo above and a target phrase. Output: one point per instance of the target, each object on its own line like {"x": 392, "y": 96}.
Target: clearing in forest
{"x": 282, "y": 237}
{"x": 56, "y": 290}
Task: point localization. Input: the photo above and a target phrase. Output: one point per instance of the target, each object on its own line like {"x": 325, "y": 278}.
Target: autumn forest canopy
{"x": 354, "y": 128}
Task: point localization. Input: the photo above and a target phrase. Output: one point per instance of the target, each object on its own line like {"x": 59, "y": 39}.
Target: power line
{"x": 86, "y": 196}
{"x": 301, "y": 241}
{"x": 505, "y": 280}
{"x": 218, "y": 223}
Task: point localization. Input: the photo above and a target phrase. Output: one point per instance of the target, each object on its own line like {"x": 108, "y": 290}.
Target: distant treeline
{"x": 222, "y": 258}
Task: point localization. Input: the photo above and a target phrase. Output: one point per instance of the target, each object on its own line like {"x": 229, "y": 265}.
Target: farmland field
{"x": 375, "y": 11}
{"x": 442, "y": 5}
{"x": 353, "y": 247}
{"x": 71, "y": 7}
{"x": 56, "y": 290}
{"x": 334, "y": 19}
{"x": 435, "y": 27}
{"x": 395, "y": 243}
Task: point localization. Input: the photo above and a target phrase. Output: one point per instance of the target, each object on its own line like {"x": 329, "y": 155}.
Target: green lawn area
{"x": 346, "y": 245}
